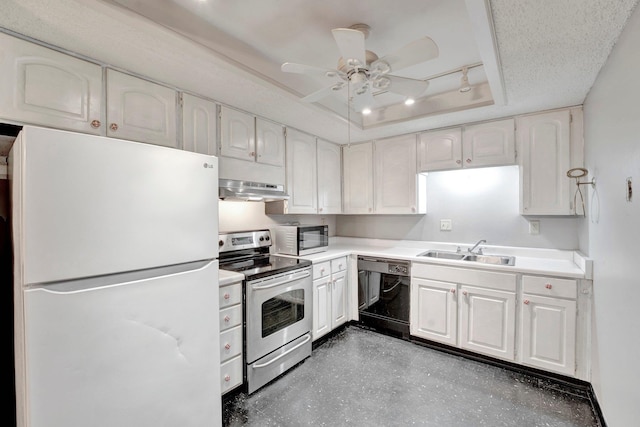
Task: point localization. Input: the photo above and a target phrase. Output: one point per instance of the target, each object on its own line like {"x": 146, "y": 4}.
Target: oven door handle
{"x": 291, "y": 278}
{"x": 275, "y": 359}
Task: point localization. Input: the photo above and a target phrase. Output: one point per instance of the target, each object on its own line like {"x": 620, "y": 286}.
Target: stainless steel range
{"x": 277, "y": 304}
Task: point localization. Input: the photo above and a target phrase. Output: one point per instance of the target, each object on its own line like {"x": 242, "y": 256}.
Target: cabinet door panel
{"x": 489, "y": 144}
{"x": 140, "y": 110}
{"x": 434, "y": 310}
{"x": 440, "y": 150}
{"x": 270, "y": 143}
{"x": 487, "y": 322}
{"x": 301, "y": 173}
{"x": 44, "y": 87}
{"x": 237, "y": 134}
{"x": 545, "y": 147}
{"x": 199, "y": 131}
{"x": 395, "y": 175}
{"x": 338, "y": 299}
{"x": 329, "y": 178}
{"x": 358, "y": 178}
{"x": 549, "y": 333}
{"x": 321, "y": 307}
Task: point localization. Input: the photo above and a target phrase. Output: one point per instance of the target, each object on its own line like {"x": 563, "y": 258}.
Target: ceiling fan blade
{"x": 364, "y": 100}
{"x": 319, "y": 94}
{"x": 407, "y": 87}
{"x": 290, "y": 67}
{"x": 351, "y": 45}
{"x": 421, "y": 50}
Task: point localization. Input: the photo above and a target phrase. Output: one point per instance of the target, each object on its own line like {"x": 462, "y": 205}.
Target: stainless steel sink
{"x": 472, "y": 257}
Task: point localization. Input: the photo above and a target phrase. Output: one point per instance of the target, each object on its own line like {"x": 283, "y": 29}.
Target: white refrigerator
{"x": 115, "y": 282}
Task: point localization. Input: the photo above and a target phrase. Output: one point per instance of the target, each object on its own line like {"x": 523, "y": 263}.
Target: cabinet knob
{"x": 227, "y": 296}
{"x": 113, "y": 127}
{"x": 322, "y": 270}
{"x": 340, "y": 266}
{"x": 526, "y": 302}
{"x": 227, "y": 378}
{"x": 227, "y": 346}
{"x": 252, "y": 154}
{"x": 95, "y": 124}
{"x": 319, "y": 209}
{"x": 468, "y": 160}
{"x": 413, "y": 209}
{"x": 453, "y": 291}
{"x": 458, "y": 161}
{"x": 464, "y": 293}
{"x": 548, "y": 286}
{"x": 227, "y": 319}
{"x": 370, "y": 209}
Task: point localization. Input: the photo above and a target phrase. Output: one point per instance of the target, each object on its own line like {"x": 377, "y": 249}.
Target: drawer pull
{"x": 464, "y": 293}
{"x": 95, "y": 124}
{"x": 227, "y": 346}
{"x": 113, "y": 127}
{"x": 227, "y": 378}
{"x": 548, "y": 286}
{"x": 526, "y": 302}
{"x": 227, "y": 319}
{"x": 227, "y": 296}
{"x": 453, "y": 291}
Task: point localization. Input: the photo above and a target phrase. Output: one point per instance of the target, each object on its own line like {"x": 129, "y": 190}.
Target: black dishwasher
{"x": 383, "y": 294}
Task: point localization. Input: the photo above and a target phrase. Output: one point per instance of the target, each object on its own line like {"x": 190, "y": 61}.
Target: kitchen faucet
{"x": 476, "y": 245}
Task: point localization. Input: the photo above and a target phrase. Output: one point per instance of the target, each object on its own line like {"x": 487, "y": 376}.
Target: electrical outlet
{"x": 445, "y": 225}
{"x": 534, "y": 227}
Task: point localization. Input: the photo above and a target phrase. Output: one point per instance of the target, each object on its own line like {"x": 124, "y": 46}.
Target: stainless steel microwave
{"x": 301, "y": 239}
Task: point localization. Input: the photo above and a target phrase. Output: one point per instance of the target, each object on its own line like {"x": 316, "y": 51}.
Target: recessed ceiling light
{"x": 366, "y": 111}
{"x": 409, "y": 101}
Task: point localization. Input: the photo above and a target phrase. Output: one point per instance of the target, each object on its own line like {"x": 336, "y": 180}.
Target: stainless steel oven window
{"x": 282, "y": 311}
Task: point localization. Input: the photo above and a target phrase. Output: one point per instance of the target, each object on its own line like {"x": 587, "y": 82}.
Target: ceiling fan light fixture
{"x": 464, "y": 81}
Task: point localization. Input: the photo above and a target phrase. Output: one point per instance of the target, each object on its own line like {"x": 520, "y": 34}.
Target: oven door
{"x": 278, "y": 311}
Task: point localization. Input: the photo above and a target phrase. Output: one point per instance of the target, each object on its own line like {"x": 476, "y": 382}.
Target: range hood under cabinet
{"x": 230, "y": 189}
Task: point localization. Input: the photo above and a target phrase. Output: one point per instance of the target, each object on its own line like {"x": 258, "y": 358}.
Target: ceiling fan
{"x": 363, "y": 72}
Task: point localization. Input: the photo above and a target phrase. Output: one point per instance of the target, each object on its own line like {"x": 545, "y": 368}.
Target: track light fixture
{"x": 464, "y": 81}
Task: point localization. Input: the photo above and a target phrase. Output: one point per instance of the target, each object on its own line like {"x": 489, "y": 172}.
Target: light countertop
{"x": 226, "y": 277}
{"x": 553, "y": 262}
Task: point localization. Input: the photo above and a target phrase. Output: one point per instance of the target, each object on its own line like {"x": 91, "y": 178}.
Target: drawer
{"x": 230, "y": 317}
{"x": 231, "y": 374}
{"x": 230, "y": 343}
{"x": 321, "y": 269}
{"x": 338, "y": 264}
{"x": 550, "y": 287}
{"x": 230, "y": 295}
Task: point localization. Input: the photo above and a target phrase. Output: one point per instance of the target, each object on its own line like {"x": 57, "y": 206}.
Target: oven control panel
{"x": 244, "y": 240}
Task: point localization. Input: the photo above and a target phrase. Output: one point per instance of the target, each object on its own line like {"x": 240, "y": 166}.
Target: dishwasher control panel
{"x": 401, "y": 269}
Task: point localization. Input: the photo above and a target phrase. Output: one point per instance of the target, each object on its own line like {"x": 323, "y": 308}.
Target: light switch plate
{"x": 534, "y": 227}
{"x": 445, "y": 225}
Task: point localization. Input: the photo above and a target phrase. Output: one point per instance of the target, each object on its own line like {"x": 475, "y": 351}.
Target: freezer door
{"x": 138, "y": 353}
{"x": 86, "y": 205}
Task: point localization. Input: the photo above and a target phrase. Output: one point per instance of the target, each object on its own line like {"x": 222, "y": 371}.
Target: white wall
{"x": 612, "y": 143}
{"x": 482, "y": 204}
{"x": 239, "y": 216}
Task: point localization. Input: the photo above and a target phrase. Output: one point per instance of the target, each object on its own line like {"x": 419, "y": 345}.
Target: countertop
{"x": 552, "y": 262}
{"x": 226, "y": 277}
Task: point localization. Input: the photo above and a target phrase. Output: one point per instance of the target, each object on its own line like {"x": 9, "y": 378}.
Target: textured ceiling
{"x": 550, "y": 53}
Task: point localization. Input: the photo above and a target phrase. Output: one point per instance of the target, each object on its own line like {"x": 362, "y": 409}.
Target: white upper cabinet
{"x": 329, "y": 178}
{"x": 489, "y": 144}
{"x": 237, "y": 134}
{"x": 395, "y": 175}
{"x": 45, "y": 87}
{"x": 270, "y": 143}
{"x": 140, "y": 110}
{"x": 245, "y": 137}
{"x": 358, "y": 178}
{"x": 301, "y": 173}
{"x": 440, "y": 150}
{"x": 544, "y": 147}
{"x": 199, "y": 118}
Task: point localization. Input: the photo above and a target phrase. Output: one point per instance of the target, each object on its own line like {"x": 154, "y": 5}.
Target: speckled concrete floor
{"x": 362, "y": 378}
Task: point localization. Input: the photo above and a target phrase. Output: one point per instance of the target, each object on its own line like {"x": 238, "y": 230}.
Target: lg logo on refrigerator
{"x": 207, "y": 165}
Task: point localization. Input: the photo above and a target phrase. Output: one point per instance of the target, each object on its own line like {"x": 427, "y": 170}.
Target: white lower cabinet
{"x": 329, "y": 296}
{"x": 231, "y": 339}
{"x": 466, "y": 308}
{"x": 487, "y": 321}
{"x": 485, "y": 311}
{"x": 548, "y": 327}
